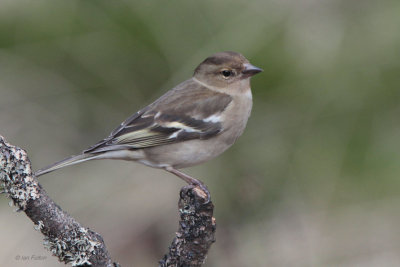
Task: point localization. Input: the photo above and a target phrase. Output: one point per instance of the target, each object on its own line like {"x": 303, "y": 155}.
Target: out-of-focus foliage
{"x": 315, "y": 179}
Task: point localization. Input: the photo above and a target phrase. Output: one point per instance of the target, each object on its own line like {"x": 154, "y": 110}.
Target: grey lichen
{"x": 64, "y": 236}
{"x": 39, "y": 226}
{"x": 75, "y": 246}
{"x": 16, "y": 175}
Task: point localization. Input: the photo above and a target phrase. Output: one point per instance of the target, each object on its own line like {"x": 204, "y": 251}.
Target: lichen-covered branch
{"x": 64, "y": 236}
{"x": 72, "y": 243}
{"x": 196, "y": 230}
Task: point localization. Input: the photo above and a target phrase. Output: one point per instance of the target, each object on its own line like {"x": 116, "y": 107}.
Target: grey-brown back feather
{"x": 189, "y": 103}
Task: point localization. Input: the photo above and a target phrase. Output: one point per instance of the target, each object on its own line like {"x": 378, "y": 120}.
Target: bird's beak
{"x": 250, "y": 70}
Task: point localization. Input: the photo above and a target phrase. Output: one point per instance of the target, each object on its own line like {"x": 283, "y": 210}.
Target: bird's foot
{"x": 192, "y": 181}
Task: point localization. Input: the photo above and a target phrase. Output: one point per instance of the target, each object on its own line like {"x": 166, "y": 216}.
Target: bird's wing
{"x": 189, "y": 111}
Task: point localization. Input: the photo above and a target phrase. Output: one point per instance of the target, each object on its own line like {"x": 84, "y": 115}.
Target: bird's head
{"x": 225, "y": 69}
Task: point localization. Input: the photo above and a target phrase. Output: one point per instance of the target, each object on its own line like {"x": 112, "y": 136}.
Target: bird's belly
{"x": 184, "y": 154}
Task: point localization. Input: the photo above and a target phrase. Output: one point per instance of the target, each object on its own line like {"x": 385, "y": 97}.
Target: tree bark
{"x": 196, "y": 230}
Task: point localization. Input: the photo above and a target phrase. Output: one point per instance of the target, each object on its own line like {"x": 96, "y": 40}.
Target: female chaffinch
{"x": 192, "y": 123}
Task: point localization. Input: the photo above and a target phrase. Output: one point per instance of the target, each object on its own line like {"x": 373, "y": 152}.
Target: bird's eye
{"x": 226, "y": 73}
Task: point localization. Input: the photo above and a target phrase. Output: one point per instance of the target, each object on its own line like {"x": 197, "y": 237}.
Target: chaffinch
{"x": 192, "y": 123}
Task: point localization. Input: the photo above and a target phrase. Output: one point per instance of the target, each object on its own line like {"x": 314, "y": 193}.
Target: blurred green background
{"x": 314, "y": 180}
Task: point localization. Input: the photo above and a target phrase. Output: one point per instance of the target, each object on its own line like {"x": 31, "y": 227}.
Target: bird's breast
{"x": 236, "y": 116}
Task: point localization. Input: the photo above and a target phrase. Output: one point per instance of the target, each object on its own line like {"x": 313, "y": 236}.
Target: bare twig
{"x": 75, "y": 244}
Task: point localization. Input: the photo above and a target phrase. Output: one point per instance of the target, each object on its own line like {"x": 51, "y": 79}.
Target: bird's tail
{"x": 66, "y": 162}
